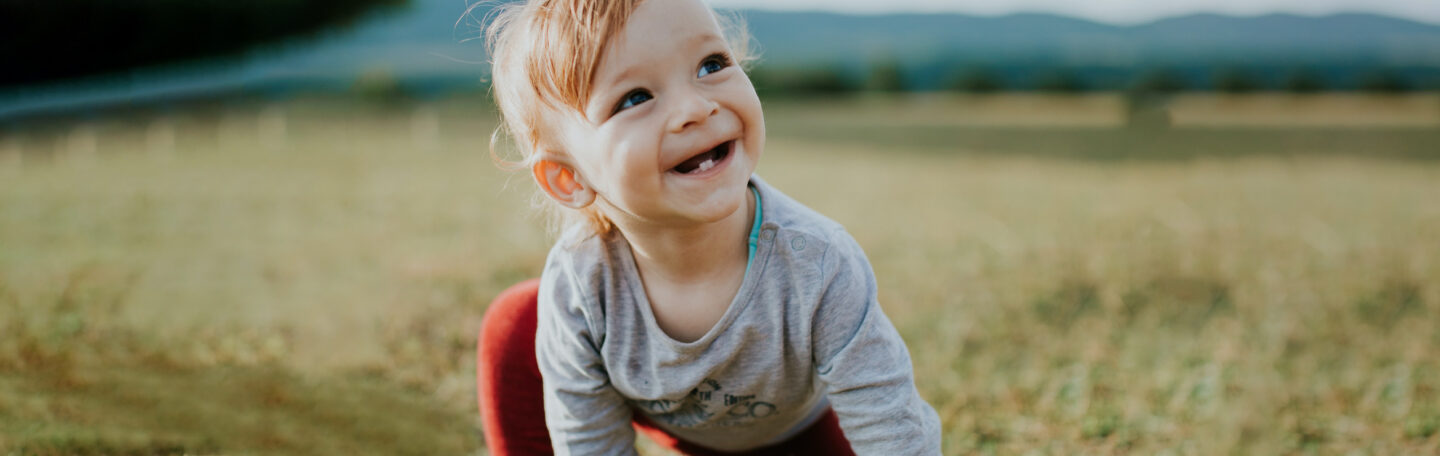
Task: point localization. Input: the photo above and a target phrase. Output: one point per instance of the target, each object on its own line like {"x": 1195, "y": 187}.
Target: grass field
{"x": 307, "y": 278}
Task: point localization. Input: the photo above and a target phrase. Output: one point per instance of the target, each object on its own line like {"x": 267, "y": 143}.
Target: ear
{"x": 560, "y": 182}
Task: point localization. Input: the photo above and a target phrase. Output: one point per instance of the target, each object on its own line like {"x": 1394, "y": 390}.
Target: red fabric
{"x": 512, "y": 402}
{"x": 507, "y": 376}
{"x": 822, "y": 438}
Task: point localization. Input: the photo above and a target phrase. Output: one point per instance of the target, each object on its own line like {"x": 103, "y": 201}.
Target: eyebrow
{"x": 694, "y": 41}
{"x": 704, "y": 38}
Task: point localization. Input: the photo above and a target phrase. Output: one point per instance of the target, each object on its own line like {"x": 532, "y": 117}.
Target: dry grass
{"x": 956, "y": 110}
{"x": 1104, "y": 110}
{"x": 1334, "y": 110}
{"x": 1253, "y": 305}
{"x": 1258, "y": 306}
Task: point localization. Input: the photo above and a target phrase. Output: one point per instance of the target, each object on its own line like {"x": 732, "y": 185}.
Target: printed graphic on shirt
{"x": 703, "y": 403}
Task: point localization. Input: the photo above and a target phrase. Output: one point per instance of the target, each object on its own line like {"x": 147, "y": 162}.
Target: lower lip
{"x": 730, "y": 154}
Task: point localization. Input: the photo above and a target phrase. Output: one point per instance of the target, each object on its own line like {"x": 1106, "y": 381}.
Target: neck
{"x": 692, "y": 253}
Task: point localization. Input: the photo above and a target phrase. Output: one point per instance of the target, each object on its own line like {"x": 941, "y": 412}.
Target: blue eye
{"x": 633, "y": 99}
{"x": 713, "y": 63}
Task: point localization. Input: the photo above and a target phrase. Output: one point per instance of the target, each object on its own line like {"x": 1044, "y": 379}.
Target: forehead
{"x": 656, "y": 30}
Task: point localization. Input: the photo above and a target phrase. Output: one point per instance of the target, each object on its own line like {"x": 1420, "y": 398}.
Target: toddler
{"x": 686, "y": 298}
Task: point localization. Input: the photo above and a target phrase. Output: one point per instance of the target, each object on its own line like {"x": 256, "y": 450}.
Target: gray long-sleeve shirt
{"x": 804, "y": 332}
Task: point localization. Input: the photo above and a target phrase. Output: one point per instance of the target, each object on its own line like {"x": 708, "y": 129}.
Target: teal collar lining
{"x": 754, "y": 231}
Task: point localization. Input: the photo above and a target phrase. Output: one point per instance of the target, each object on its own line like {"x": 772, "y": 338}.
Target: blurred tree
{"x": 1059, "y": 81}
{"x": 1383, "y": 81}
{"x": 1158, "y": 81}
{"x": 1147, "y": 101}
{"x": 886, "y": 76}
{"x": 802, "y": 81}
{"x": 975, "y": 80}
{"x": 379, "y": 85}
{"x": 49, "y": 40}
{"x": 1234, "y": 80}
{"x": 1302, "y": 81}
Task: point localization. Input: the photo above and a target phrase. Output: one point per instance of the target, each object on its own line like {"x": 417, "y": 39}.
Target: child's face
{"x": 673, "y": 127}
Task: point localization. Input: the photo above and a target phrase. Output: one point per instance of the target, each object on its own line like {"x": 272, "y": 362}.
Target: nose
{"x": 692, "y": 108}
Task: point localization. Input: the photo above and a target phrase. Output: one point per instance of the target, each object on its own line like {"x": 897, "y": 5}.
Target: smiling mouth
{"x": 705, "y": 160}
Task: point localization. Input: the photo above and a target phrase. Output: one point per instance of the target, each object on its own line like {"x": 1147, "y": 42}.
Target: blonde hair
{"x": 549, "y": 51}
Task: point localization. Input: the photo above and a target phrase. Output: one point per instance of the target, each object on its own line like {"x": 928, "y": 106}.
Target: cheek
{"x": 595, "y": 167}
{"x": 747, "y": 102}
{"x": 751, "y": 114}
{"x": 631, "y": 159}
{"x": 630, "y": 173}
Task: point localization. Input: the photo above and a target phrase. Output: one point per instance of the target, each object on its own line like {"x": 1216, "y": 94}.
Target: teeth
{"x": 707, "y": 164}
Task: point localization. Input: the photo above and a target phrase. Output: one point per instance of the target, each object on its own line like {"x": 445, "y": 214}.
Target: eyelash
{"x": 720, "y": 58}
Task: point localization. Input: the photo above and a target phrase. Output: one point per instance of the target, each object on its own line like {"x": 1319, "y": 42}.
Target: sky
{"x": 1111, "y": 11}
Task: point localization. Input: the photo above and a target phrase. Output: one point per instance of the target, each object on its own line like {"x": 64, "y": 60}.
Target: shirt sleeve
{"x": 584, "y": 413}
{"x": 864, "y": 363}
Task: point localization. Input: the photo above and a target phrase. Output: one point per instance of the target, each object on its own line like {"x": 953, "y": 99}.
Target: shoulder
{"x": 825, "y": 267}
{"x": 781, "y": 210}
{"x": 578, "y": 270}
{"x": 810, "y": 249}
{"x": 804, "y": 237}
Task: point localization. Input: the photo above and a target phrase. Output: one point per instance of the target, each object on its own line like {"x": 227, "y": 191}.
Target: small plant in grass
{"x": 1390, "y": 304}
{"x": 1067, "y": 304}
{"x": 1177, "y": 302}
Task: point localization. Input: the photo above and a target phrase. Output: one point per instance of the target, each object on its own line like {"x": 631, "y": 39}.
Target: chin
{"x": 721, "y": 204}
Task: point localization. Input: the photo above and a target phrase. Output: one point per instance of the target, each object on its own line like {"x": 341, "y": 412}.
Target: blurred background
{"x": 1102, "y": 227}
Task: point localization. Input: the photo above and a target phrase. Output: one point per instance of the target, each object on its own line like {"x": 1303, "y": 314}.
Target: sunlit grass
{"x": 308, "y": 273}
{"x": 1202, "y": 307}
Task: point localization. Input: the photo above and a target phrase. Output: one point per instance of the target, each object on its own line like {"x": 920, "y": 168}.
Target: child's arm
{"x": 864, "y": 363}
{"x": 584, "y": 414}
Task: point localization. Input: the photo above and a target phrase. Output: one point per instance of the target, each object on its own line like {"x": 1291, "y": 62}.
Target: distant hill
{"x": 934, "y": 46}
{"x": 1021, "y": 37}
{"x": 420, "y": 48}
